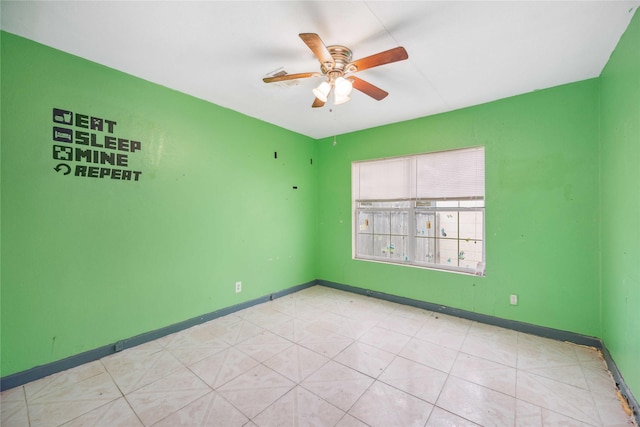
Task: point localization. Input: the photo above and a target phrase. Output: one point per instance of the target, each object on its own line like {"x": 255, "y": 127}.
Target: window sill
{"x": 423, "y": 267}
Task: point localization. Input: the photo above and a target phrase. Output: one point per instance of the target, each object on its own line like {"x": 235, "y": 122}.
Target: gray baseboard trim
{"x": 23, "y": 377}
{"x": 622, "y": 386}
{"x": 470, "y": 315}
{"x": 508, "y": 324}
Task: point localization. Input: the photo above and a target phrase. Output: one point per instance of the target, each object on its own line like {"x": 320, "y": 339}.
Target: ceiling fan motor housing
{"x": 341, "y": 57}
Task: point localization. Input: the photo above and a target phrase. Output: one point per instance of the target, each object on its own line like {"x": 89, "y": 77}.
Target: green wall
{"x": 89, "y": 261}
{"x": 620, "y": 204}
{"x": 541, "y": 153}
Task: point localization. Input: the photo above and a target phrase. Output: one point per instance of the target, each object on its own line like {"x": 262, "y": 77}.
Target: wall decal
{"x": 91, "y": 148}
{"x": 62, "y": 166}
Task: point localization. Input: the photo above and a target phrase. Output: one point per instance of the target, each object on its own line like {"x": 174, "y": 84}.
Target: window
{"x": 425, "y": 210}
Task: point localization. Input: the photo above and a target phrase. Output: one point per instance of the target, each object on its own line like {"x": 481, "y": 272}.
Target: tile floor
{"x": 323, "y": 357}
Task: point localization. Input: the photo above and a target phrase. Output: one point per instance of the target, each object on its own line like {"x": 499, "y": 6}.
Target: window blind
{"x": 440, "y": 175}
{"x": 450, "y": 174}
{"x": 383, "y": 179}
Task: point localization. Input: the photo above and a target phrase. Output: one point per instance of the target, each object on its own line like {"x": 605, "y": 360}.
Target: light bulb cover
{"x": 322, "y": 91}
{"x": 340, "y": 99}
{"x": 343, "y": 87}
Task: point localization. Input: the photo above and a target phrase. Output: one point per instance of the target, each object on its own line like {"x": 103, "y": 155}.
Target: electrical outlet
{"x": 514, "y": 299}
{"x": 238, "y": 287}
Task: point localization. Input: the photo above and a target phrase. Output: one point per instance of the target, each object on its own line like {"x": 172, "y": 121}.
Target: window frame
{"x": 413, "y": 207}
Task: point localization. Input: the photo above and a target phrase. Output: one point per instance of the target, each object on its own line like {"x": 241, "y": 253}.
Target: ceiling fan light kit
{"x": 337, "y": 67}
{"x": 322, "y": 91}
{"x": 341, "y": 90}
{"x": 343, "y": 86}
{"x": 340, "y": 99}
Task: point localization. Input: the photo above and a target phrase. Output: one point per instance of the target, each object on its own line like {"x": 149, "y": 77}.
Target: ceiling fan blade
{"x": 392, "y": 55}
{"x": 317, "y": 47}
{"x": 317, "y": 103}
{"x": 367, "y": 88}
{"x": 289, "y": 77}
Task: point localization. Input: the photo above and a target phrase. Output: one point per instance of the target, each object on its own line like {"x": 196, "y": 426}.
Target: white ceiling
{"x": 460, "y": 53}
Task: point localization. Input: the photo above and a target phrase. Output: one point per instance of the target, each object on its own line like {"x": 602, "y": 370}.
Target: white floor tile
{"x": 296, "y": 362}
{"x": 608, "y": 408}
{"x": 160, "y": 399}
{"x": 387, "y": 340}
{"x": 365, "y": 358}
{"x": 444, "y": 330}
{"x": 139, "y": 366}
{"x": 400, "y": 324}
{"x": 477, "y": 403}
{"x": 383, "y": 406}
{"x": 441, "y": 418}
{"x": 430, "y": 354}
{"x": 350, "y": 421}
{"x": 13, "y": 408}
{"x": 328, "y": 344}
{"x": 264, "y": 345}
{"x": 529, "y": 415}
{"x": 236, "y": 332}
{"x": 338, "y": 384}
{"x": 117, "y": 413}
{"x": 537, "y": 352}
{"x": 194, "y": 344}
{"x": 491, "y": 343}
{"x": 486, "y": 373}
{"x": 253, "y": 391}
{"x": 558, "y": 397}
{"x": 222, "y": 367}
{"x": 211, "y": 410}
{"x": 324, "y": 357}
{"x": 299, "y": 407}
{"x": 414, "y": 378}
{"x": 61, "y": 397}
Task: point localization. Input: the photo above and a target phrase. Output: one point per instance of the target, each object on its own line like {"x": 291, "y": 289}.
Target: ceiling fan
{"x": 338, "y": 68}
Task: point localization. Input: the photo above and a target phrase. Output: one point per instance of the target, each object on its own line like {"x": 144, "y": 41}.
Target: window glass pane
{"x": 425, "y": 250}
{"x": 447, "y": 252}
{"x": 365, "y": 222}
{"x": 381, "y": 223}
{"x": 425, "y": 224}
{"x": 399, "y": 222}
{"x": 447, "y": 224}
{"x": 365, "y": 245}
{"x": 381, "y": 246}
{"x": 398, "y": 248}
{"x": 471, "y": 225}
{"x": 470, "y": 253}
